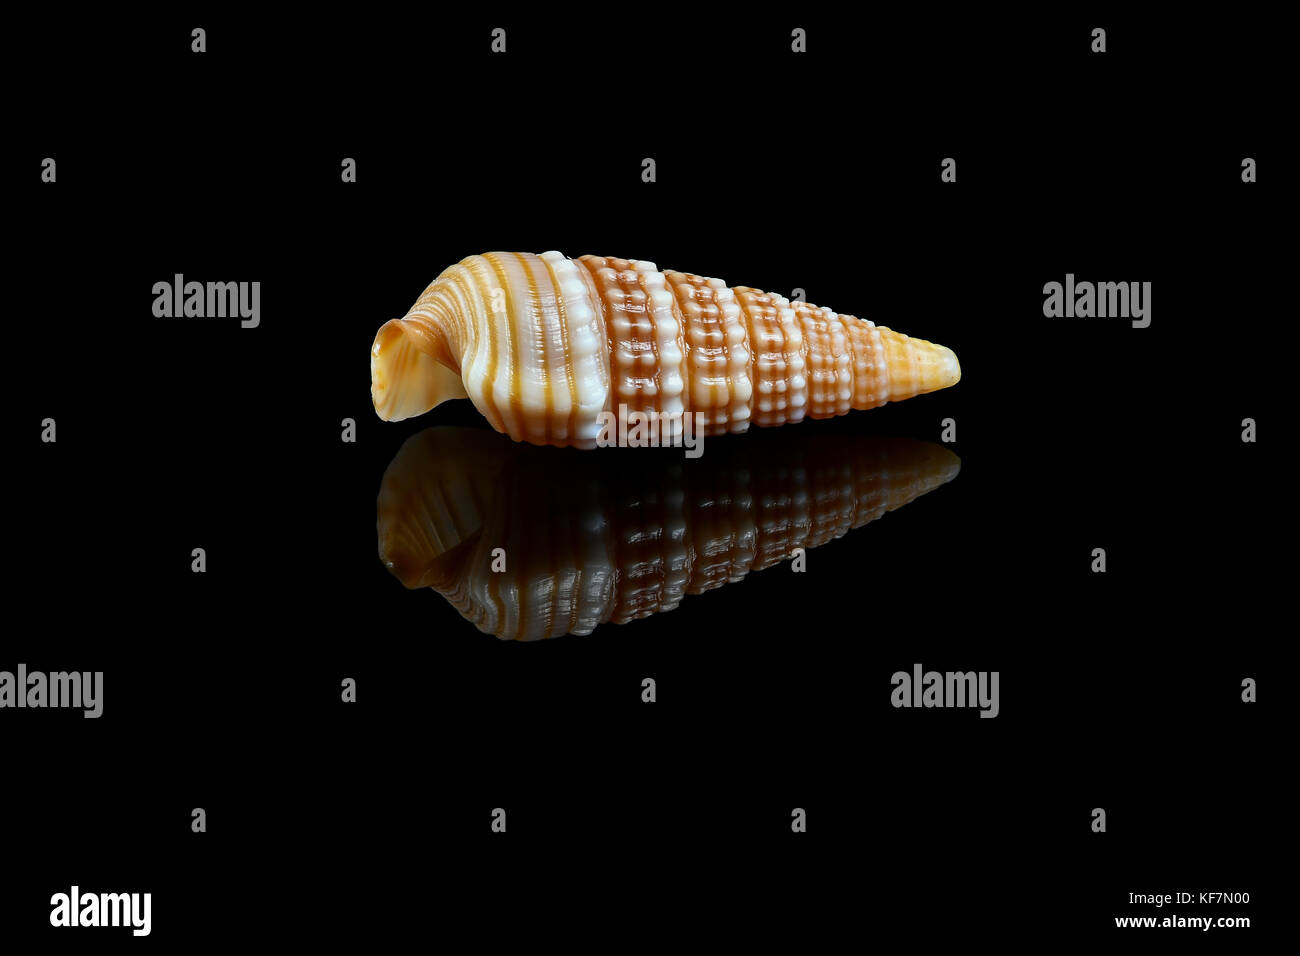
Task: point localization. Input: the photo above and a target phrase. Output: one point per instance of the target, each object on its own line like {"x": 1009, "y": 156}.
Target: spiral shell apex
{"x": 544, "y": 346}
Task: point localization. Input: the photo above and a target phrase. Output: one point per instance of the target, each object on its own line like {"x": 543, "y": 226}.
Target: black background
{"x": 369, "y": 822}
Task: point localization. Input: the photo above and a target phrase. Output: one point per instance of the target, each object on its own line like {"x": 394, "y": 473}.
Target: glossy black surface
{"x": 364, "y": 823}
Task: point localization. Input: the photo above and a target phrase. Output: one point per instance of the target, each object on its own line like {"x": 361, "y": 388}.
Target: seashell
{"x": 612, "y": 538}
{"x": 543, "y": 345}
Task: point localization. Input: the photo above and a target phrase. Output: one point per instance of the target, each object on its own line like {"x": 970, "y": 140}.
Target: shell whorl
{"x": 542, "y": 345}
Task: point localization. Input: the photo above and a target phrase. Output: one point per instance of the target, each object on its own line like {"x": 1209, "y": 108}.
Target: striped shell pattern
{"x": 543, "y": 345}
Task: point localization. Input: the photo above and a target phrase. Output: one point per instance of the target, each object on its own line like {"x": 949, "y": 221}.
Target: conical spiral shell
{"x": 544, "y": 345}
{"x": 612, "y": 538}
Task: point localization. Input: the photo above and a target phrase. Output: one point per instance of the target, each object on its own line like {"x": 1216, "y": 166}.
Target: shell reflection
{"x": 589, "y": 539}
